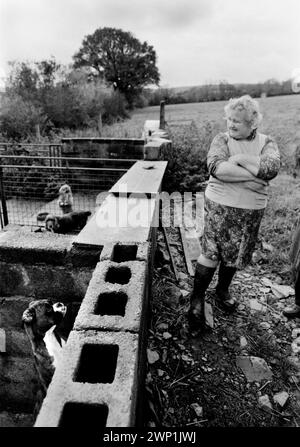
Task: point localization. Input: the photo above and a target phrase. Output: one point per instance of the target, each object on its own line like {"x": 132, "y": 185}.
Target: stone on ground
{"x": 198, "y": 409}
{"x": 209, "y": 315}
{"x": 256, "y": 306}
{"x": 264, "y": 402}
{"x": 281, "y": 398}
{"x": 254, "y": 368}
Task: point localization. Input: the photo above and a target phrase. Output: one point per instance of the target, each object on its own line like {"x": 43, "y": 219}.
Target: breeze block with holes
{"x": 125, "y": 251}
{"x": 95, "y": 386}
{"x": 116, "y": 297}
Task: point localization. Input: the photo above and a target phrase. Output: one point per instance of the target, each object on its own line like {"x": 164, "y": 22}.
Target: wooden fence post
{"x": 100, "y": 124}
{"x": 38, "y": 132}
{"x": 3, "y": 199}
{"x": 162, "y": 115}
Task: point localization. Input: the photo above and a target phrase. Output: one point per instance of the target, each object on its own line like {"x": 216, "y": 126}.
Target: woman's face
{"x": 237, "y": 125}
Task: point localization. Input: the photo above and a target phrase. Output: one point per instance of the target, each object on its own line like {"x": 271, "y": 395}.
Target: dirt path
{"x": 197, "y": 380}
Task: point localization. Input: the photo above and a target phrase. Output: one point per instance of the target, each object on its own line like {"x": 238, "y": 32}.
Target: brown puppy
{"x": 69, "y": 222}
{"x": 65, "y": 199}
{"x": 40, "y": 322}
{"x": 75, "y": 220}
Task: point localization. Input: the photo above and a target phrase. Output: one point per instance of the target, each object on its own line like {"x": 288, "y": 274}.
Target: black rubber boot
{"x": 202, "y": 279}
{"x": 294, "y": 311}
{"x": 222, "y": 290}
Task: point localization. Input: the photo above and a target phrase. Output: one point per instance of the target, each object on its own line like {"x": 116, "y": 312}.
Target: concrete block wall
{"x": 114, "y": 298}
{"x": 113, "y": 312}
{"x": 34, "y": 266}
{"x": 95, "y": 385}
{"x": 158, "y": 146}
{"x": 98, "y": 382}
{"x": 44, "y": 265}
{"x": 109, "y": 148}
{"x": 103, "y": 367}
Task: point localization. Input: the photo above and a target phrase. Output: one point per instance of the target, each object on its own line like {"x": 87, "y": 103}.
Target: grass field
{"x": 281, "y": 118}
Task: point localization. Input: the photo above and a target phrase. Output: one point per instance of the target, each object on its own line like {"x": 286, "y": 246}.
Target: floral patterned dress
{"x": 230, "y": 234}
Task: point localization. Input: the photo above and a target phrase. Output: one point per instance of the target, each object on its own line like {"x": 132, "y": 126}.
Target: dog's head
{"x": 51, "y": 223}
{"x": 41, "y": 315}
{"x": 64, "y": 189}
{"x": 65, "y": 195}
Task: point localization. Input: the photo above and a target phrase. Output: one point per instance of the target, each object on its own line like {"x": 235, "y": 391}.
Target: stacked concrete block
{"x": 125, "y": 251}
{"x": 34, "y": 266}
{"x": 158, "y": 146}
{"x": 112, "y": 323}
{"x": 44, "y": 266}
{"x": 95, "y": 385}
{"x": 85, "y": 150}
{"x": 115, "y": 297}
{"x": 99, "y": 380}
{"x": 16, "y": 394}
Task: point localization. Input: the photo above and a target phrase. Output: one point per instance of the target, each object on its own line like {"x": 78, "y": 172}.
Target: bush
{"x": 114, "y": 107}
{"x": 38, "y": 94}
{"x": 187, "y": 170}
{"x": 19, "y": 118}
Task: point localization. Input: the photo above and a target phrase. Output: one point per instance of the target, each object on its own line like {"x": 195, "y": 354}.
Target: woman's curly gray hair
{"x": 249, "y": 105}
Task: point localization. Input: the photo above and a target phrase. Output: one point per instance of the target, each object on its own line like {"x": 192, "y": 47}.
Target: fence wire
{"x": 29, "y": 184}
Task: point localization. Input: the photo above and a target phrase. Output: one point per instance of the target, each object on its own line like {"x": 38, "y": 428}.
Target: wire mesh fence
{"x": 31, "y": 176}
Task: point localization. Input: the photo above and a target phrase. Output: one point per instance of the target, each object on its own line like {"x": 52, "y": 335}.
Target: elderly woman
{"x": 240, "y": 162}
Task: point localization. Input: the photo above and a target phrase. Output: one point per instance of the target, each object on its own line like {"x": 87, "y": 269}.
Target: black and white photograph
{"x": 150, "y": 218}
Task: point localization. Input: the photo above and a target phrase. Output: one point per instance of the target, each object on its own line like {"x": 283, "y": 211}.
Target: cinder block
{"x": 157, "y": 147}
{"x": 18, "y": 396}
{"x": 116, "y": 297}
{"x": 58, "y": 283}
{"x": 17, "y": 343}
{"x": 27, "y": 248}
{"x": 13, "y": 370}
{"x": 95, "y": 384}
{"x": 14, "y": 280}
{"x": 152, "y": 150}
{"x": 80, "y": 256}
{"x": 125, "y": 251}
{"x": 18, "y": 383}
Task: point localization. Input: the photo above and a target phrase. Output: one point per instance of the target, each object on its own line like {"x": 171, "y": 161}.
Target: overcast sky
{"x": 196, "y": 41}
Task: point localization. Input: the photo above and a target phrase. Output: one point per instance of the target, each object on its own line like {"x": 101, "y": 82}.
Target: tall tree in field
{"x": 119, "y": 58}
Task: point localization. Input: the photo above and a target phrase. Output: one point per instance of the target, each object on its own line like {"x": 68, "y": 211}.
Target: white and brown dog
{"x": 40, "y": 321}
{"x": 65, "y": 199}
